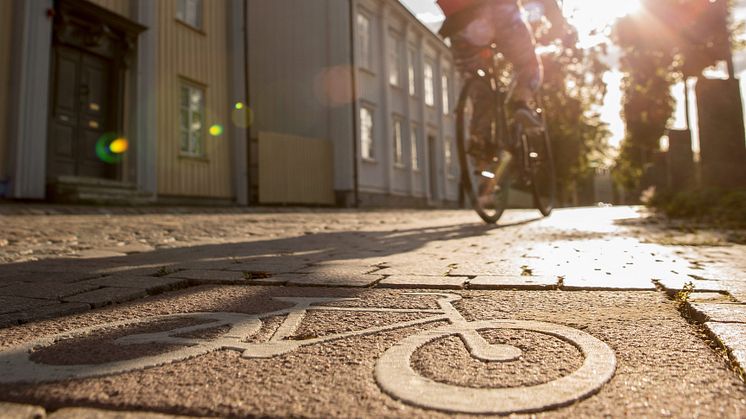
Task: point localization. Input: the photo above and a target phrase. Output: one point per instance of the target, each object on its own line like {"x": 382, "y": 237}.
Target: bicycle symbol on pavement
{"x": 393, "y": 371}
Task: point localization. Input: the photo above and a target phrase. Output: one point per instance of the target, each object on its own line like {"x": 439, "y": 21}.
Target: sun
{"x": 592, "y": 17}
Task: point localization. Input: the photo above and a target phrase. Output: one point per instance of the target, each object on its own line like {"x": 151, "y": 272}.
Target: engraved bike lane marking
{"x": 393, "y": 371}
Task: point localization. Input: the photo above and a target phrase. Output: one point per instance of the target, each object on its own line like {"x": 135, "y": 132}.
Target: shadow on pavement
{"x": 354, "y": 252}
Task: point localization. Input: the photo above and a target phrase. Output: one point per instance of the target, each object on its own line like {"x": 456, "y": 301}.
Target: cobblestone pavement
{"x": 59, "y": 262}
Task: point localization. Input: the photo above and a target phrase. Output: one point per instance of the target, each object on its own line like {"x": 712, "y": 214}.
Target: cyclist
{"x": 474, "y": 25}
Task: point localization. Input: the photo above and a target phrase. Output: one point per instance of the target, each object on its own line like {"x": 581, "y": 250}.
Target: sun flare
{"x": 593, "y": 17}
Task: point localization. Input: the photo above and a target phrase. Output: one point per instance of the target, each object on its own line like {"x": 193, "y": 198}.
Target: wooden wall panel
{"x": 198, "y": 56}
{"x": 122, "y": 7}
{"x": 295, "y": 170}
{"x": 5, "y": 51}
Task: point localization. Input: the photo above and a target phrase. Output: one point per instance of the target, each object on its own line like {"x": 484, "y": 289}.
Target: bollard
{"x": 723, "y": 152}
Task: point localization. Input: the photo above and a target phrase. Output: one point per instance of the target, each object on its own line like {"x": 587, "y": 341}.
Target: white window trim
{"x": 414, "y": 147}
{"x": 365, "y": 57}
{"x": 398, "y": 134}
{"x": 412, "y": 72}
{"x": 184, "y": 18}
{"x": 372, "y": 157}
{"x": 395, "y": 59}
{"x": 429, "y": 94}
{"x": 194, "y": 137}
{"x": 445, "y": 85}
{"x": 448, "y": 155}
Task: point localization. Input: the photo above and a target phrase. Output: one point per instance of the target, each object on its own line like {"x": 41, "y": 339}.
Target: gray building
{"x": 352, "y": 104}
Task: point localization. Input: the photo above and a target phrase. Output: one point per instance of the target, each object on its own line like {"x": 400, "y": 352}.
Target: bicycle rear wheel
{"x": 540, "y": 167}
{"x": 485, "y": 169}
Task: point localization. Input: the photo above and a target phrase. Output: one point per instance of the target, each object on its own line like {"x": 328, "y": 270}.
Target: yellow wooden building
{"x": 123, "y": 101}
{"x": 322, "y": 102}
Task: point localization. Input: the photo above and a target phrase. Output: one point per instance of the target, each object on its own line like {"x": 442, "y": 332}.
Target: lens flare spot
{"x": 104, "y": 150}
{"x": 243, "y": 117}
{"x": 216, "y": 130}
{"x": 119, "y": 146}
{"x": 239, "y": 106}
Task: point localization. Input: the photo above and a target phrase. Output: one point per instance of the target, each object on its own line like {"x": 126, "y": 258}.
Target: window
{"x": 413, "y": 139}
{"x": 412, "y": 74}
{"x": 398, "y": 149}
{"x": 447, "y": 144}
{"x": 394, "y": 61}
{"x": 366, "y": 133}
{"x": 429, "y": 85}
{"x": 191, "y": 128}
{"x": 446, "y": 95}
{"x": 190, "y": 12}
{"x": 363, "y": 39}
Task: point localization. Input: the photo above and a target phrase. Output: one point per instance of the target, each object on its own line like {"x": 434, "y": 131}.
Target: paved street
{"x": 591, "y": 312}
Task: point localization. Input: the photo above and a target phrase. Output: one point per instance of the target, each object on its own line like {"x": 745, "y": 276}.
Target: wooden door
{"x": 81, "y": 113}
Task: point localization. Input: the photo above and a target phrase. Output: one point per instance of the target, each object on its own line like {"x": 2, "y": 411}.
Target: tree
{"x": 573, "y": 90}
{"x": 669, "y": 41}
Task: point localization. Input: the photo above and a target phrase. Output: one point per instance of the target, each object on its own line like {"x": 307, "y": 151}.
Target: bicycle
{"x": 393, "y": 371}
{"x": 509, "y": 156}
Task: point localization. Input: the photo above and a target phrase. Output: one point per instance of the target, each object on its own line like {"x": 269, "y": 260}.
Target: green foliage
{"x": 573, "y": 90}
{"x": 665, "y": 43}
{"x": 727, "y": 208}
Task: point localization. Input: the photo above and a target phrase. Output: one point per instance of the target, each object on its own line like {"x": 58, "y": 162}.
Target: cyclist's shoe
{"x": 528, "y": 117}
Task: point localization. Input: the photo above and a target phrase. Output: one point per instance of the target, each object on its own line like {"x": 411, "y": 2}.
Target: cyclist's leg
{"x": 469, "y": 58}
{"x": 514, "y": 40}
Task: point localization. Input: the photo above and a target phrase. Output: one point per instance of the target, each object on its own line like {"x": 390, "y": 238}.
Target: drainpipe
{"x": 353, "y": 71}
{"x": 250, "y": 127}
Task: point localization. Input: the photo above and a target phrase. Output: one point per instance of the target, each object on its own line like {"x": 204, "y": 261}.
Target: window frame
{"x": 445, "y": 86}
{"x": 414, "y": 147}
{"x": 371, "y": 151}
{"x": 448, "y": 144}
{"x": 395, "y": 59}
{"x": 200, "y": 17}
{"x": 398, "y": 140}
{"x": 428, "y": 72}
{"x": 365, "y": 49}
{"x": 195, "y": 139}
{"x": 412, "y": 71}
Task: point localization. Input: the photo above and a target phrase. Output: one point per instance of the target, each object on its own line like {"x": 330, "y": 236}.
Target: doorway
{"x": 82, "y": 105}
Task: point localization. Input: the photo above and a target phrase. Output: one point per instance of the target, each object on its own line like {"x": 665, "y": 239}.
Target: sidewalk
{"x": 601, "y": 264}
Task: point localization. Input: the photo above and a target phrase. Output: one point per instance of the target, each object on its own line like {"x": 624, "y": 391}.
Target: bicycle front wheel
{"x": 484, "y": 167}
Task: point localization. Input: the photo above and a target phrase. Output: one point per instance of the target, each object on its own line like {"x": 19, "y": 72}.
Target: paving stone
{"x": 722, "y": 313}
{"x": 339, "y": 270}
{"x": 677, "y": 284}
{"x": 10, "y": 304}
{"x": 50, "y": 276}
{"x": 320, "y": 280}
{"x": 98, "y": 254}
{"x": 40, "y": 313}
{"x": 88, "y": 413}
{"x": 204, "y": 277}
{"x": 108, "y": 295}
{"x": 484, "y": 269}
{"x": 148, "y": 283}
{"x": 733, "y": 337}
{"x": 21, "y": 411}
{"x": 269, "y": 267}
{"x": 709, "y": 297}
{"x": 434, "y": 282}
{"x": 513, "y": 282}
{"x": 601, "y": 282}
{"x": 49, "y": 290}
{"x": 129, "y": 249}
{"x": 424, "y": 269}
